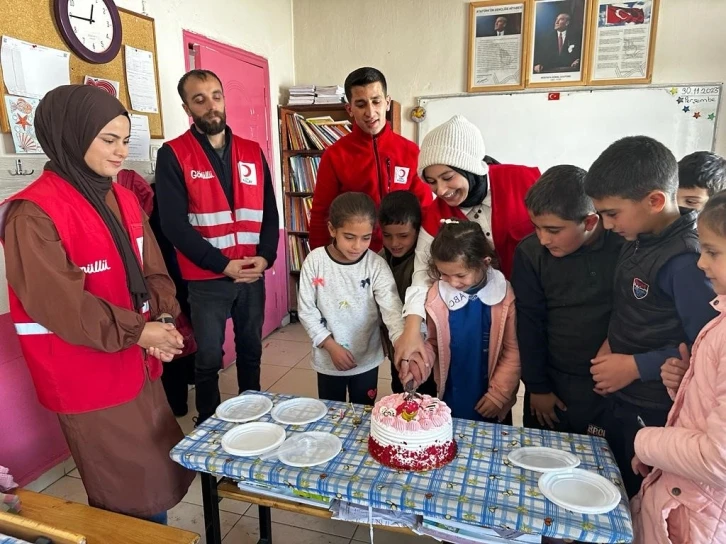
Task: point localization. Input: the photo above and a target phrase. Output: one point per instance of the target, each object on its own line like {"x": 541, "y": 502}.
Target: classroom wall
{"x": 421, "y": 45}
{"x": 263, "y": 28}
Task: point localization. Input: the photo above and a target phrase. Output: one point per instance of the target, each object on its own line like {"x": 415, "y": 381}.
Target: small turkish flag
{"x": 553, "y": 96}
{"x": 617, "y": 15}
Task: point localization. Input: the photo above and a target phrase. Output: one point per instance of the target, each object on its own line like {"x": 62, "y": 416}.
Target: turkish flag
{"x": 617, "y": 15}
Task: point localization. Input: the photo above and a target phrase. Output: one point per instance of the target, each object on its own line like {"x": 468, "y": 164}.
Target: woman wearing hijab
{"x": 454, "y": 164}
{"x": 93, "y": 306}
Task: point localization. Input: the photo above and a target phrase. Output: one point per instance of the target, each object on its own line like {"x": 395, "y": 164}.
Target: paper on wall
{"x": 141, "y": 80}
{"x": 32, "y": 70}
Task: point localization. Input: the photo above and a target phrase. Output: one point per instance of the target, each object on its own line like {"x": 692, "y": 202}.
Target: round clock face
{"x": 92, "y": 24}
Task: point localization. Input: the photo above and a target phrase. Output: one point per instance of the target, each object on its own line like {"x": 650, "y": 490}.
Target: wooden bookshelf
{"x": 293, "y": 231}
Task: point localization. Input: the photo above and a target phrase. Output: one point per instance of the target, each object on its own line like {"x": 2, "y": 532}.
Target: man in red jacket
{"x": 372, "y": 160}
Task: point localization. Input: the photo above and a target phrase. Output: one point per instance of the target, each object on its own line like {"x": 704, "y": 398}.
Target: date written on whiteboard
{"x": 699, "y": 90}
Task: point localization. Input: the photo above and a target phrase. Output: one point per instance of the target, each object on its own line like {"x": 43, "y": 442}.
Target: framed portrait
{"x": 623, "y": 42}
{"x": 496, "y": 49}
{"x": 558, "y": 43}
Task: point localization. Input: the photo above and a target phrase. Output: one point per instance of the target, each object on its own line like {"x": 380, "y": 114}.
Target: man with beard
{"x": 217, "y": 207}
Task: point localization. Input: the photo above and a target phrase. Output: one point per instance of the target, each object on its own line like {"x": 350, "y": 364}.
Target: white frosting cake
{"x": 411, "y": 433}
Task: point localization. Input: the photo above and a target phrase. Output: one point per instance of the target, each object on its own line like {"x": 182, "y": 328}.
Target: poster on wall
{"x": 496, "y": 47}
{"x": 623, "y": 42}
{"x": 557, "y": 43}
{"x": 21, "y": 117}
{"x": 108, "y": 85}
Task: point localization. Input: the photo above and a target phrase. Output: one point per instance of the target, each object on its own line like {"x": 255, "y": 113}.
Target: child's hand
{"x": 487, "y": 408}
{"x": 543, "y": 406}
{"x": 674, "y": 369}
{"x": 417, "y": 368}
{"x": 639, "y": 467}
{"x": 613, "y": 372}
{"x": 341, "y": 357}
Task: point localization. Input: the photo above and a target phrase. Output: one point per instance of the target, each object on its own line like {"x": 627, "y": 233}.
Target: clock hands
{"x": 89, "y": 20}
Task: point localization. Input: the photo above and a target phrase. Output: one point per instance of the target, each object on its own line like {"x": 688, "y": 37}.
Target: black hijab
{"x": 67, "y": 121}
{"x": 478, "y": 185}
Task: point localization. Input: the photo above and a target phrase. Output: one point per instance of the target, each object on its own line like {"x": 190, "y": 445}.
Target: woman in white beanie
{"x": 452, "y": 163}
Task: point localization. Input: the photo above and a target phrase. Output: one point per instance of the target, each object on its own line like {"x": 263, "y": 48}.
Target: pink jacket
{"x": 683, "y": 500}
{"x": 504, "y": 367}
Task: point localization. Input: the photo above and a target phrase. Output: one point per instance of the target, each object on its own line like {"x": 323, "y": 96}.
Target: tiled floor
{"x": 285, "y": 369}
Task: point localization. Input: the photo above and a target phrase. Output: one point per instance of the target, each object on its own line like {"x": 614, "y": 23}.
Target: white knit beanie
{"x": 456, "y": 143}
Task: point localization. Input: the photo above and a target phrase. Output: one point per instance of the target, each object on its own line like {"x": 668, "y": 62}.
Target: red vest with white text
{"x": 236, "y": 232}
{"x": 69, "y": 378}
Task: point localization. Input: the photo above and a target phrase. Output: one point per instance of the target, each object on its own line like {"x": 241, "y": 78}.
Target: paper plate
{"x": 253, "y": 439}
{"x": 541, "y": 459}
{"x": 243, "y": 408}
{"x": 324, "y": 448}
{"x": 580, "y": 491}
{"x": 299, "y": 411}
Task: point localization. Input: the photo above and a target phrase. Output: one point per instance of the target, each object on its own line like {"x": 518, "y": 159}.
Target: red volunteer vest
{"x": 68, "y": 378}
{"x": 508, "y": 185}
{"x": 235, "y": 232}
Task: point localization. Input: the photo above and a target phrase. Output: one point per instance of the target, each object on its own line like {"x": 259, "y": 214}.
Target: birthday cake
{"x": 411, "y": 432}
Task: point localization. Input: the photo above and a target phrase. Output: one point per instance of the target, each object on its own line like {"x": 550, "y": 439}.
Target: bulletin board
{"x": 34, "y": 23}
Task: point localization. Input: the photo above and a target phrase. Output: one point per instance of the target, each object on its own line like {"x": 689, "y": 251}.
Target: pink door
{"x": 245, "y": 78}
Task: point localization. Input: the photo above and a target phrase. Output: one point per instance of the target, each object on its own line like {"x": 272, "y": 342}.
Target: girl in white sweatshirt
{"x": 344, "y": 288}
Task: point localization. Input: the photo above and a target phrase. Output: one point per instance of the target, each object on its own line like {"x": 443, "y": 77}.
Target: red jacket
{"x": 375, "y": 165}
{"x": 68, "y": 378}
{"x": 236, "y": 232}
{"x": 510, "y": 222}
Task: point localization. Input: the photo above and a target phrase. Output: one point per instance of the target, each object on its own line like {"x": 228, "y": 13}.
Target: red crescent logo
{"x": 247, "y": 171}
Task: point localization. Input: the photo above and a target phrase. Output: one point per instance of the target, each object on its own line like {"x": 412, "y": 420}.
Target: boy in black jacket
{"x": 700, "y": 176}
{"x": 400, "y": 219}
{"x": 562, "y": 278}
{"x": 660, "y": 298}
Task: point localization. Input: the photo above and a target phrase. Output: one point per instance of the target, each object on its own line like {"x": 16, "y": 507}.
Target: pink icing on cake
{"x": 429, "y": 408}
{"x": 411, "y": 433}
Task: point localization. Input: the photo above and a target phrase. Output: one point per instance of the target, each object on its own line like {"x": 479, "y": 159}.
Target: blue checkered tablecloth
{"x": 480, "y": 486}
{"x": 5, "y": 539}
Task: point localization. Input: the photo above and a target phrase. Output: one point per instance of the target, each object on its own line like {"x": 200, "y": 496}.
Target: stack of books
{"x": 302, "y": 95}
{"x": 315, "y": 132}
{"x": 298, "y": 249}
{"x": 332, "y": 94}
{"x": 303, "y": 173}
{"x": 300, "y": 213}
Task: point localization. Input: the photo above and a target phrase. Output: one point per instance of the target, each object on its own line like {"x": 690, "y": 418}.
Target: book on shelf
{"x": 317, "y": 133}
{"x": 301, "y": 101}
{"x": 298, "y": 249}
{"x": 301, "y": 95}
{"x": 300, "y": 213}
{"x": 303, "y": 173}
{"x": 329, "y": 100}
{"x": 329, "y": 90}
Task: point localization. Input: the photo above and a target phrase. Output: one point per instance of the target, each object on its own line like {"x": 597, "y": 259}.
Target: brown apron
{"x": 122, "y": 454}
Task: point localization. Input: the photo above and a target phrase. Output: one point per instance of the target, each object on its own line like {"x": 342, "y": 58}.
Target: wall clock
{"x": 91, "y": 28}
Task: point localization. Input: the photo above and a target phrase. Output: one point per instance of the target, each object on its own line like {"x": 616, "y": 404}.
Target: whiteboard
{"x": 546, "y": 128}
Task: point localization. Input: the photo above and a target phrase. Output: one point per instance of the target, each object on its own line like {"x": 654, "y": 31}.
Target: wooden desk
{"x": 98, "y": 526}
{"x": 213, "y": 492}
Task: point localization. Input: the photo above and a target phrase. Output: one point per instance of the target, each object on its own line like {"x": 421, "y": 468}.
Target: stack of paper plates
{"x": 244, "y": 408}
{"x": 580, "y": 491}
{"x": 253, "y": 439}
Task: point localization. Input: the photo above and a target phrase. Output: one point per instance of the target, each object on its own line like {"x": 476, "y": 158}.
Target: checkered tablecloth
{"x": 480, "y": 486}
{"x": 5, "y": 539}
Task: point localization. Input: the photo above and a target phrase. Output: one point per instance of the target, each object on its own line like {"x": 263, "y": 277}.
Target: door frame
{"x": 189, "y": 39}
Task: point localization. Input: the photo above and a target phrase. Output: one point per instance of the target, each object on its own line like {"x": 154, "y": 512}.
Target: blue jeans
{"x": 162, "y": 518}
{"x": 212, "y": 302}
